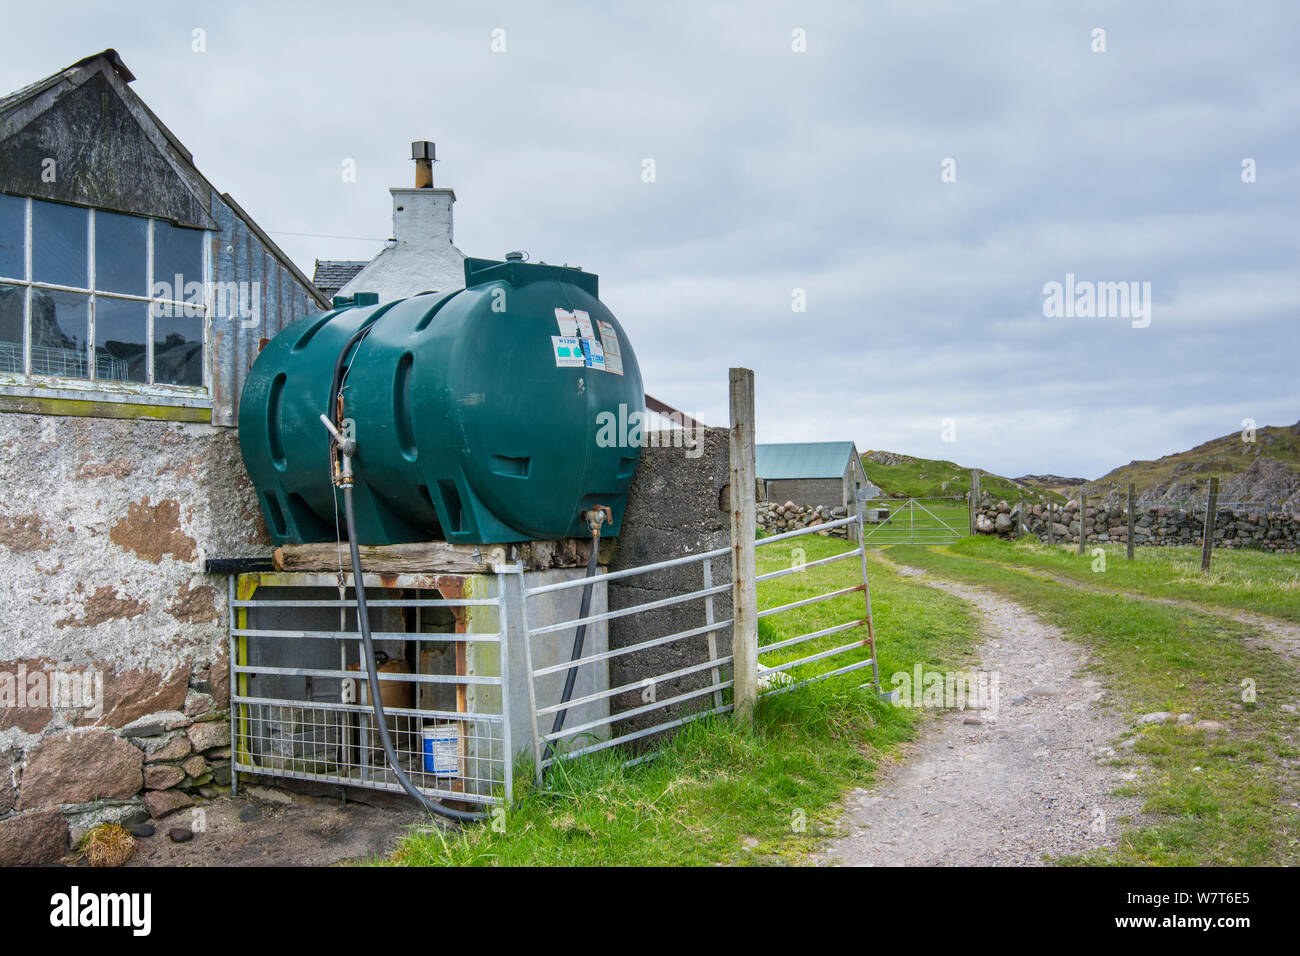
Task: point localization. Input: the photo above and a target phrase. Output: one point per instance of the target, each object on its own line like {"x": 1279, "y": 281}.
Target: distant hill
{"x": 1055, "y": 483}
{"x": 903, "y": 476}
{"x": 1266, "y": 471}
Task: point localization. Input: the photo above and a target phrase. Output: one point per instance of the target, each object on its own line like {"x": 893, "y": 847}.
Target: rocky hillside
{"x": 1265, "y": 471}
{"x": 903, "y": 476}
{"x": 1056, "y": 483}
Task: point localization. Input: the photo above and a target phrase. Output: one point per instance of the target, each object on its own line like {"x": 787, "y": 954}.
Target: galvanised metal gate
{"x": 688, "y": 705}
{"x": 799, "y": 671}
{"x": 915, "y": 520}
{"x": 711, "y": 695}
{"x": 298, "y": 707}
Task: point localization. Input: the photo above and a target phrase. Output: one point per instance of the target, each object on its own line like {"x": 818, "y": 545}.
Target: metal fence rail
{"x": 598, "y": 734}
{"x": 769, "y": 681}
{"x": 300, "y": 707}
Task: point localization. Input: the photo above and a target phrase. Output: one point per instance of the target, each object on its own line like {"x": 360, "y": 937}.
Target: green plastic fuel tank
{"x": 495, "y": 413}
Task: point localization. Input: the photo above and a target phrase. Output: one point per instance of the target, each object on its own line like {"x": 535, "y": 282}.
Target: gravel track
{"x": 1011, "y": 785}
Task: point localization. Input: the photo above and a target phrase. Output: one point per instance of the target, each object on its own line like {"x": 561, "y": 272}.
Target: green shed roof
{"x": 810, "y": 459}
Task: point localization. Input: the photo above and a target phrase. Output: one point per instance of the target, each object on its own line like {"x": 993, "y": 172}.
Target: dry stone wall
{"x": 1277, "y": 531}
{"x": 774, "y": 518}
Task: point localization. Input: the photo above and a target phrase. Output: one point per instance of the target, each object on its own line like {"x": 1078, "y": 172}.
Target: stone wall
{"x": 1154, "y": 525}
{"x": 675, "y": 507}
{"x": 775, "y": 518}
{"x": 114, "y": 676}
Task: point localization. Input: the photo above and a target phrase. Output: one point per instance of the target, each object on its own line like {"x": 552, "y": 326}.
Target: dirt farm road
{"x": 1012, "y": 784}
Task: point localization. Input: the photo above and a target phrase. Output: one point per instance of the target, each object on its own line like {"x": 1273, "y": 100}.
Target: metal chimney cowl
{"x": 425, "y": 155}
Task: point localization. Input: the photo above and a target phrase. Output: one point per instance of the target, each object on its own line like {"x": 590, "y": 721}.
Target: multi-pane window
{"x": 101, "y": 296}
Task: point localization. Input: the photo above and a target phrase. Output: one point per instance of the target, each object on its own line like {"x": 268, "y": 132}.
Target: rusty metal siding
{"x": 239, "y": 256}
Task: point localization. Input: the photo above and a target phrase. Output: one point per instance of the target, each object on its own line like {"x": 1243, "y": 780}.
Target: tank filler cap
{"x": 352, "y": 301}
{"x": 516, "y": 256}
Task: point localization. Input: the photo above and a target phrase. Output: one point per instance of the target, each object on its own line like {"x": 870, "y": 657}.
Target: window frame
{"x": 27, "y": 383}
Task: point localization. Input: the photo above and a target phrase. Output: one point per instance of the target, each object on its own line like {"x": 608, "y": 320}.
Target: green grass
{"x": 934, "y": 478}
{"x": 1225, "y": 799}
{"x": 720, "y": 792}
{"x": 1240, "y": 580}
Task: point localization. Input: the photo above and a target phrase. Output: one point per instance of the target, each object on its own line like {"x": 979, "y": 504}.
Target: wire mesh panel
{"x": 301, "y": 707}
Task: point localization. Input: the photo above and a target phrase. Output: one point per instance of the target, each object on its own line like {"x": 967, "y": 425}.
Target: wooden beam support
{"x": 443, "y": 557}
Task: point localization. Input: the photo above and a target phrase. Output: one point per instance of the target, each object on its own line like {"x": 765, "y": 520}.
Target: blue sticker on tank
{"x": 593, "y": 354}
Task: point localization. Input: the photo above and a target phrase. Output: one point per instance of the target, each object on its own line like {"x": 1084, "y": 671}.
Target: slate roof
{"x": 332, "y": 275}
{"x": 813, "y": 459}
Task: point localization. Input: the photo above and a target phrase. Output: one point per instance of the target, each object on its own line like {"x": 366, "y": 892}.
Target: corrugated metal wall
{"x": 239, "y": 256}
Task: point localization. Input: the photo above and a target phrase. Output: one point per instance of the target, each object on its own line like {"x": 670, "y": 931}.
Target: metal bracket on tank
{"x": 347, "y": 448}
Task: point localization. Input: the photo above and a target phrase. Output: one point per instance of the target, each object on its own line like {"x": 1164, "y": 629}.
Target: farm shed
{"x": 134, "y": 296}
{"x": 827, "y": 473}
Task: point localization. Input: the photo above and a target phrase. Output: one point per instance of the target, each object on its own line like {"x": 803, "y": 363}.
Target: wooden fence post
{"x": 1051, "y": 523}
{"x": 1132, "y": 508}
{"x": 1020, "y": 520}
{"x": 1083, "y": 519}
{"x": 744, "y": 590}
{"x": 974, "y": 498}
{"x": 1211, "y": 509}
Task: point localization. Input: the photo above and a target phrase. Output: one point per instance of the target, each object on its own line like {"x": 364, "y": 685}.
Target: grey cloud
{"x": 819, "y": 171}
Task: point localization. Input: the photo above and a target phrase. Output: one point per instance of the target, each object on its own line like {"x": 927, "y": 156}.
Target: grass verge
{"x": 720, "y": 792}
{"x": 1217, "y": 799}
{"x": 1240, "y": 580}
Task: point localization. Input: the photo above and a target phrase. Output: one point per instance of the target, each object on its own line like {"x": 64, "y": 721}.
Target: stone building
{"x": 133, "y": 298}
{"x": 826, "y": 473}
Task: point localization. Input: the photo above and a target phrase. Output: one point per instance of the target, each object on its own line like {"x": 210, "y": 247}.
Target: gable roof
{"x": 332, "y": 275}
{"x": 40, "y": 86}
{"x": 812, "y": 459}
{"x": 97, "y": 91}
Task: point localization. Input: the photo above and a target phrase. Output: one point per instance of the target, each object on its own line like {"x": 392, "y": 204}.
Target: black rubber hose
{"x": 372, "y": 678}
{"x": 332, "y": 410}
{"x": 578, "y": 639}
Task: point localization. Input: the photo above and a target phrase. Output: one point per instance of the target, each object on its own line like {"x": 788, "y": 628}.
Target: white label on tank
{"x": 568, "y": 351}
{"x": 567, "y": 323}
{"x": 585, "y": 328}
{"x": 609, "y": 342}
{"x": 593, "y": 354}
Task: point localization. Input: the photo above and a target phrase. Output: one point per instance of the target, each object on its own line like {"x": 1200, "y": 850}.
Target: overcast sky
{"x": 821, "y": 170}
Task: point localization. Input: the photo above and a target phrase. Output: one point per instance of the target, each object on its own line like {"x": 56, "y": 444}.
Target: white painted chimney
{"x": 420, "y": 256}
